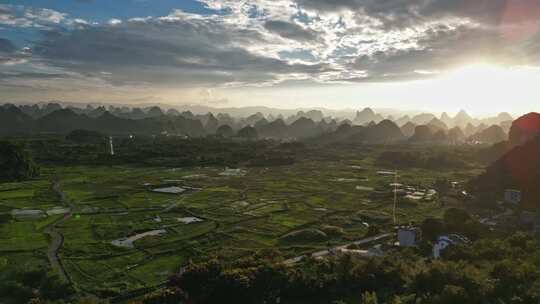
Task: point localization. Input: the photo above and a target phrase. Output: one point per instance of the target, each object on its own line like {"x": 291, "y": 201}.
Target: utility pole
{"x": 395, "y": 195}
{"x": 111, "y": 147}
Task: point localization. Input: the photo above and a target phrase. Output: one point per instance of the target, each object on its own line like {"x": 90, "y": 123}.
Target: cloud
{"x": 9, "y": 55}
{"x": 176, "y": 49}
{"x": 114, "y": 21}
{"x": 439, "y": 49}
{"x": 8, "y": 17}
{"x": 44, "y": 15}
{"x": 408, "y": 12}
{"x": 290, "y": 30}
{"x": 266, "y": 42}
{"x": 29, "y": 17}
{"x": 6, "y": 46}
{"x": 29, "y": 75}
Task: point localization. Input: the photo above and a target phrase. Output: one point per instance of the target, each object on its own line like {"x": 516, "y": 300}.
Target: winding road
{"x": 334, "y": 249}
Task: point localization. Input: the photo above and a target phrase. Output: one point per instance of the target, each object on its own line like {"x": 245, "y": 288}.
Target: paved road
{"x": 328, "y": 251}
{"x": 490, "y": 220}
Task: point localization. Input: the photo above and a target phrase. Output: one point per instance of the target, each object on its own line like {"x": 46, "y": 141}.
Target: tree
{"x": 431, "y": 229}
{"x": 15, "y": 163}
{"x": 396, "y": 300}
{"x": 369, "y": 298}
{"x": 442, "y": 186}
{"x": 453, "y": 294}
{"x": 373, "y": 230}
{"x": 455, "y": 218}
{"x": 54, "y": 288}
{"x": 12, "y": 292}
{"x": 459, "y": 221}
{"x": 86, "y": 137}
{"x": 172, "y": 295}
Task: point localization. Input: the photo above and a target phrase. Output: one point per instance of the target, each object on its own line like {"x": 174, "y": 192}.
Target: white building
{"x": 445, "y": 241}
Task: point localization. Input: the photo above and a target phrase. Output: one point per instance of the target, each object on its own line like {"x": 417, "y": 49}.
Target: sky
{"x": 432, "y": 55}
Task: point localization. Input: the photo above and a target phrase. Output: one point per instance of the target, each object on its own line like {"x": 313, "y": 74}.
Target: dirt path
{"x": 57, "y": 239}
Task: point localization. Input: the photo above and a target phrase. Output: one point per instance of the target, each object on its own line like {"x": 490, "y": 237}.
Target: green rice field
{"x": 238, "y": 215}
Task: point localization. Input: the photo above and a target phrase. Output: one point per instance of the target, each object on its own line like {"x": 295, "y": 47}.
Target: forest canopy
{"x": 15, "y": 163}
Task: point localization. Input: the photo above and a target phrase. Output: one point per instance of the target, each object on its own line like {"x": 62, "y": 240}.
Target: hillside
{"x": 519, "y": 168}
{"x": 492, "y": 135}
{"x": 524, "y": 129}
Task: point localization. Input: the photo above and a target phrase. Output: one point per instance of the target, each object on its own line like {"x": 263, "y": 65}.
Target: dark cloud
{"x": 177, "y": 51}
{"x": 5, "y": 10}
{"x": 407, "y": 12}
{"x": 290, "y": 30}
{"x": 6, "y": 46}
{"x": 30, "y": 75}
{"x": 487, "y": 11}
{"x": 442, "y": 48}
{"x": 9, "y": 54}
{"x": 390, "y": 12}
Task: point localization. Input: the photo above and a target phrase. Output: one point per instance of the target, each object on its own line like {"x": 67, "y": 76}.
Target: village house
{"x": 445, "y": 241}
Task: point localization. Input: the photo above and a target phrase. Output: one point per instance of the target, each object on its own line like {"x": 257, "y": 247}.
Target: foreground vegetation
{"x": 490, "y": 271}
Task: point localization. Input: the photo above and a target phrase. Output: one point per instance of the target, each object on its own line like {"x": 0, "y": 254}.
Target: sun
{"x": 487, "y": 87}
{"x": 476, "y": 73}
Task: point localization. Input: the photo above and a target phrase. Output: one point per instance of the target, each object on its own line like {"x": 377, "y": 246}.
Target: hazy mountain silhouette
{"x": 491, "y": 135}
{"x": 462, "y": 119}
{"x": 225, "y": 131}
{"x": 97, "y": 112}
{"x": 437, "y": 125}
{"x": 403, "y": 120}
{"x": 384, "y": 132}
{"x": 365, "y": 116}
{"x": 254, "y": 118}
{"x": 422, "y": 119}
{"x": 470, "y": 130}
{"x": 408, "y": 129}
{"x": 422, "y": 134}
{"x": 52, "y": 118}
{"x": 303, "y": 128}
{"x": 447, "y": 120}
{"x": 212, "y": 123}
{"x": 274, "y": 129}
{"x": 64, "y": 121}
{"x": 440, "y": 137}
{"x": 456, "y": 136}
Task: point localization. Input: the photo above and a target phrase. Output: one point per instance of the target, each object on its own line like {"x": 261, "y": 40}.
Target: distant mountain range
{"x": 366, "y": 125}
